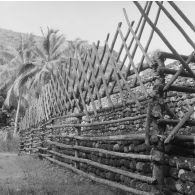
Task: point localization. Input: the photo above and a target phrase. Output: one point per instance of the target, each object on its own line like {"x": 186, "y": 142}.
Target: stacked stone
{"x": 180, "y": 178}
{"x": 141, "y": 167}
{"x": 129, "y": 110}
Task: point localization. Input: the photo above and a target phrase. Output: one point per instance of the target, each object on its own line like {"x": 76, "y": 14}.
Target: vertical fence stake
{"x": 157, "y": 112}
{"x": 78, "y": 132}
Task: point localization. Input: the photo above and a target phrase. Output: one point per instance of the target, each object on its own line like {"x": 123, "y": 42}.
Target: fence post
{"x": 157, "y": 112}
{"x": 42, "y": 129}
{"x": 21, "y": 138}
{"x": 78, "y": 132}
{"x": 31, "y": 144}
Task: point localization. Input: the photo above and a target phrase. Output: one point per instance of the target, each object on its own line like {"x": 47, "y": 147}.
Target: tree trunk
{"x": 17, "y": 115}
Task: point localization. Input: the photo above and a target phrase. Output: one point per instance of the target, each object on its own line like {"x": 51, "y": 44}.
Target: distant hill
{"x": 9, "y": 40}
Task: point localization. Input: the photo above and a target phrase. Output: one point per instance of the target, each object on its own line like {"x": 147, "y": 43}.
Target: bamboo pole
{"x": 106, "y": 167}
{"x": 178, "y": 73}
{"x": 181, "y": 89}
{"x": 77, "y": 144}
{"x": 53, "y": 83}
{"x": 173, "y": 72}
{"x": 53, "y": 96}
{"x": 182, "y": 15}
{"x": 136, "y": 38}
{"x": 81, "y": 92}
{"x": 50, "y": 100}
{"x": 65, "y": 89}
{"x": 148, "y": 122}
{"x": 91, "y": 62}
{"x": 165, "y": 40}
{"x": 139, "y": 36}
{"x": 100, "y": 123}
{"x": 66, "y": 103}
{"x": 132, "y": 63}
{"x": 147, "y": 45}
{"x": 129, "y": 46}
{"x": 72, "y": 92}
{"x": 188, "y": 39}
{"x": 82, "y": 71}
{"x": 122, "y": 78}
{"x": 102, "y": 76}
{"x": 129, "y": 102}
{"x": 165, "y": 55}
{"x": 101, "y": 59}
{"x": 185, "y": 138}
{"x": 91, "y": 68}
{"x": 142, "y": 157}
{"x": 131, "y": 137}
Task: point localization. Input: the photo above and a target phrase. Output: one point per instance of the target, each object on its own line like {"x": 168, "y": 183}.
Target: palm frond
{"x": 28, "y": 76}
{"x": 9, "y": 97}
{"x": 58, "y": 44}
{"x": 39, "y": 53}
{"x": 26, "y": 67}
{"x": 56, "y": 56}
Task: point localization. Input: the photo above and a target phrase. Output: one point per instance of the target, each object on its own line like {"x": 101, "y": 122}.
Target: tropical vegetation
{"x": 26, "y": 68}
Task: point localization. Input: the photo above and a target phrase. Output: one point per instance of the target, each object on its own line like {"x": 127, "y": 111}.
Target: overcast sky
{"x": 88, "y": 20}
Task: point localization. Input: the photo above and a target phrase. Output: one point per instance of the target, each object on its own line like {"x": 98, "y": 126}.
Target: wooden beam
{"x": 183, "y": 16}
{"x": 188, "y": 39}
{"x": 178, "y": 73}
{"x": 106, "y": 167}
{"x": 147, "y": 45}
{"x": 103, "y": 181}
{"x": 179, "y": 125}
{"x": 100, "y": 123}
{"x": 107, "y": 152}
{"x": 163, "y": 38}
{"x": 182, "y": 89}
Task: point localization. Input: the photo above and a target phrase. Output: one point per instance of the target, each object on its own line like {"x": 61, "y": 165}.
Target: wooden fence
{"x": 125, "y": 124}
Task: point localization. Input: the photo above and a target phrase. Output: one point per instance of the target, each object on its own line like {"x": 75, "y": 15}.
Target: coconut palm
{"x": 15, "y": 58}
{"x": 21, "y": 66}
{"x": 48, "y": 57}
{"x": 19, "y": 56}
{"x": 17, "y": 93}
{"x": 32, "y": 76}
{"x": 76, "y": 45}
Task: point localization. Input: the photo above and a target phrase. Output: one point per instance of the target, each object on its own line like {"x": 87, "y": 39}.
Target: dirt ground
{"x": 25, "y": 175}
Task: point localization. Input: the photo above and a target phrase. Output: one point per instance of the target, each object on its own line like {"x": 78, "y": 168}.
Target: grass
{"x": 39, "y": 177}
{"x": 28, "y": 175}
{"x": 10, "y": 145}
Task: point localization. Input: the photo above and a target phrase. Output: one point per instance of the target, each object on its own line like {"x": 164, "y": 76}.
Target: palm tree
{"x": 48, "y": 56}
{"x": 34, "y": 65}
{"x": 22, "y": 66}
{"x": 76, "y": 45}
{"x": 15, "y": 58}
{"x": 32, "y": 76}
{"x": 18, "y": 91}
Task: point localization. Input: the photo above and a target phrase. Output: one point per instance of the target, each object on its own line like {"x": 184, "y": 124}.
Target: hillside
{"x": 9, "y": 40}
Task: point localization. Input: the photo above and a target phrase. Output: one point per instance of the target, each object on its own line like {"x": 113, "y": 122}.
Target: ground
{"x": 27, "y": 175}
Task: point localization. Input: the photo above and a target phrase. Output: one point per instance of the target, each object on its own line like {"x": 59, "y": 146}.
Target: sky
{"x": 91, "y": 21}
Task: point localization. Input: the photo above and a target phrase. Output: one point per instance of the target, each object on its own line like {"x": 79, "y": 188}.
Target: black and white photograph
{"x": 97, "y": 97}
